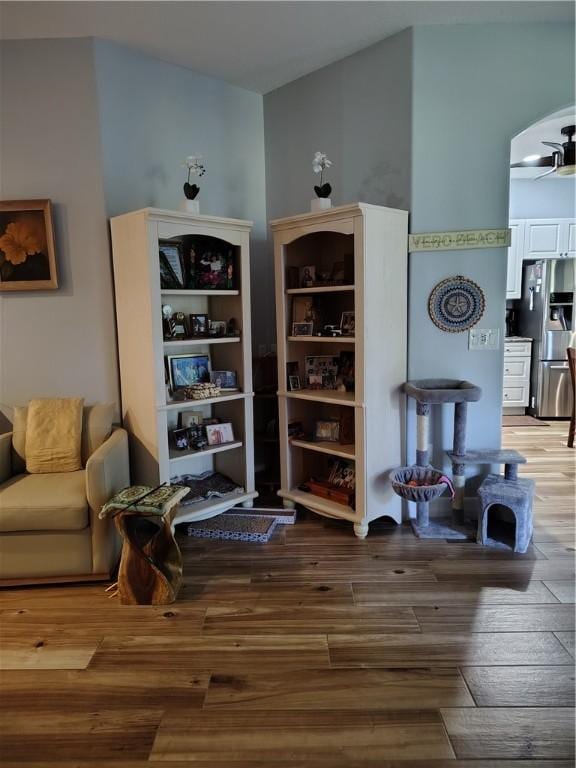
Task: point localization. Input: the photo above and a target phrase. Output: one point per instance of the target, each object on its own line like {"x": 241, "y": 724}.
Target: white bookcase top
{"x": 340, "y": 211}
{"x": 159, "y": 214}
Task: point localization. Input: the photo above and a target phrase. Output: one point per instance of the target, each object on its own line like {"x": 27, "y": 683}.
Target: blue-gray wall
{"x": 474, "y": 88}
{"x": 58, "y": 343}
{"x": 358, "y": 111}
{"x": 152, "y": 116}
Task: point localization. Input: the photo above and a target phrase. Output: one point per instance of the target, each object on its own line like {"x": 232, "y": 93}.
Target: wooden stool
{"x": 151, "y": 564}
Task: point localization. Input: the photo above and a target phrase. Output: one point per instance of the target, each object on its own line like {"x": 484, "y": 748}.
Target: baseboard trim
{"x": 30, "y": 581}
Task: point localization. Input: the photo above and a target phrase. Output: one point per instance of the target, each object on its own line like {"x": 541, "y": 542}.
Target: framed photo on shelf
{"x": 218, "y": 434}
{"x": 198, "y": 325}
{"x": 343, "y": 474}
{"x": 217, "y": 328}
{"x": 327, "y": 430}
{"x": 304, "y": 310}
{"x": 190, "y": 419}
{"x": 302, "y": 329}
{"x": 294, "y": 383}
{"x": 27, "y": 252}
{"x": 307, "y": 276}
{"x": 212, "y": 265}
{"x": 321, "y": 371}
{"x": 170, "y": 253}
{"x": 226, "y": 380}
{"x": 348, "y": 323}
{"x": 180, "y": 439}
{"x": 186, "y": 370}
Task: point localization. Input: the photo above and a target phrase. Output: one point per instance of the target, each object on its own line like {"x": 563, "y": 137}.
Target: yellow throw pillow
{"x": 53, "y": 435}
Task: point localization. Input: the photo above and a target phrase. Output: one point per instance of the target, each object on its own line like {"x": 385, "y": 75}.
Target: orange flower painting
{"x": 27, "y": 260}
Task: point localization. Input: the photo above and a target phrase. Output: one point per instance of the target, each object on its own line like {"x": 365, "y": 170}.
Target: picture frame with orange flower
{"x": 27, "y": 253}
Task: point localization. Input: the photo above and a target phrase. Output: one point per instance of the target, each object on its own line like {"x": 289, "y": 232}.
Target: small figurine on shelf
{"x": 319, "y": 164}
{"x": 195, "y": 168}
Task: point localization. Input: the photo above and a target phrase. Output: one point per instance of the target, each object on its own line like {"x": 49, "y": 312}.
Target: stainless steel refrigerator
{"x": 546, "y": 315}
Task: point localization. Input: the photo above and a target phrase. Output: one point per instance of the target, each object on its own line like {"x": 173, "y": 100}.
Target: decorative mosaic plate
{"x": 456, "y": 304}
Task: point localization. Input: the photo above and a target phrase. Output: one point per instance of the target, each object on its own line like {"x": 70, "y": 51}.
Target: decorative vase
{"x": 320, "y": 204}
{"x": 190, "y": 206}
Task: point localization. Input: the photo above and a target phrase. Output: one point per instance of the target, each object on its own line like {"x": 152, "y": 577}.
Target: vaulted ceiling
{"x": 256, "y": 45}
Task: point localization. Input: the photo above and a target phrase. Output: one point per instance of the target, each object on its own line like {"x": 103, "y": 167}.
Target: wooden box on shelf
{"x": 364, "y": 247}
{"x": 205, "y": 274}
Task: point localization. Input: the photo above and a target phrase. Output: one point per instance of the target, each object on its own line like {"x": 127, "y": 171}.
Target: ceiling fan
{"x": 561, "y": 161}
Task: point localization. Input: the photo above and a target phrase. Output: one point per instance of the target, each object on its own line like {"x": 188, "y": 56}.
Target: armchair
{"x": 49, "y": 525}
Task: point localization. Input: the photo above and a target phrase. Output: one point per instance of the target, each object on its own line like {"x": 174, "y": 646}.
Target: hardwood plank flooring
{"x": 511, "y": 732}
{"x": 521, "y": 686}
{"x": 315, "y": 650}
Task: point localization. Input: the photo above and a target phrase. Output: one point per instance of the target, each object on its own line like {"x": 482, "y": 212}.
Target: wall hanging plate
{"x": 456, "y": 304}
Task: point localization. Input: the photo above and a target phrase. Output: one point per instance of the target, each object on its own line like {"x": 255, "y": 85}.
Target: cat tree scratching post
{"x": 428, "y": 392}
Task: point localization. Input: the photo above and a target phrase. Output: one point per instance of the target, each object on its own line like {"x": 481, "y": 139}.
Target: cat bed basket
{"x": 434, "y": 483}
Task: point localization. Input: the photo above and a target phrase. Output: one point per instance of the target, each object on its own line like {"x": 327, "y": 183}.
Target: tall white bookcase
{"x": 148, "y": 410}
{"x": 372, "y": 242}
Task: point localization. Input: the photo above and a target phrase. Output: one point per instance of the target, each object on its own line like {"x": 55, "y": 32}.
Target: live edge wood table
{"x": 150, "y": 570}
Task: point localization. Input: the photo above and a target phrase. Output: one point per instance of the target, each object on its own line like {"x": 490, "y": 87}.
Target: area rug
{"x": 241, "y": 524}
{"x": 523, "y": 421}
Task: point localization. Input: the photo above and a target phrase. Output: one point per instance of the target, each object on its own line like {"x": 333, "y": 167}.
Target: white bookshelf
{"x": 149, "y": 411}
{"x": 374, "y": 240}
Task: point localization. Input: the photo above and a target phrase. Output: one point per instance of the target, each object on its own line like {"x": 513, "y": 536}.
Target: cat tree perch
{"x": 429, "y": 392}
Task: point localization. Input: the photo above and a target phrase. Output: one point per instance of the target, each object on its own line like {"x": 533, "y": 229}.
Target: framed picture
{"x": 315, "y": 380}
{"x": 302, "y": 329}
{"x": 305, "y": 310}
{"x": 294, "y": 383}
{"x": 224, "y": 379}
{"x": 212, "y": 265}
{"x": 307, "y": 276}
{"x": 198, "y": 325}
{"x": 321, "y": 371}
{"x": 218, "y": 434}
{"x": 190, "y": 419}
{"x": 180, "y": 439}
{"x": 217, "y": 328}
{"x": 186, "y": 370}
{"x": 171, "y": 257}
{"x": 343, "y": 474}
{"x": 347, "y": 324}
{"x": 27, "y": 254}
{"x": 327, "y": 430}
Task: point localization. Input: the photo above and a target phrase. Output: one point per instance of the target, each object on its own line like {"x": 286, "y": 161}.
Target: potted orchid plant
{"x": 321, "y": 163}
{"x": 195, "y": 167}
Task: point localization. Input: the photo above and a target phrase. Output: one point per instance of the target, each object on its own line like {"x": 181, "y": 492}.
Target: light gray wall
{"x": 62, "y": 342}
{"x": 152, "y": 116}
{"x": 358, "y": 111}
{"x": 475, "y": 87}
{"x": 544, "y": 199}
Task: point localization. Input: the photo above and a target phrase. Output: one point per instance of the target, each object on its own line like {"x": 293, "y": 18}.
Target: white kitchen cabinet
{"x": 515, "y": 255}
{"x": 516, "y": 389}
{"x": 549, "y": 238}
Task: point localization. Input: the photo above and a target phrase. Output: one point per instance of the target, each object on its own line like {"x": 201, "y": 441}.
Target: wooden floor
{"x": 315, "y": 650}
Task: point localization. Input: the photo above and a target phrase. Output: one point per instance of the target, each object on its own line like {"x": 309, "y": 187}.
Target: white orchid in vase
{"x": 320, "y": 163}
{"x": 195, "y": 168}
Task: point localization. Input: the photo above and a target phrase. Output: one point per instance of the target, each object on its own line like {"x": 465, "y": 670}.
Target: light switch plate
{"x": 483, "y": 339}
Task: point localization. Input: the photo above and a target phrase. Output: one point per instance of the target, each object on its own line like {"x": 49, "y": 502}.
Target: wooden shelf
{"x": 181, "y": 455}
{"x": 323, "y": 396}
{"x": 203, "y": 510}
{"x": 325, "y": 339}
{"x": 319, "y": 504}
{"x": 189, "y": 292}
{"x": 201, "y": 341}
{"x": 324, "y": 446}
{"x": 184, "y": 405}
{"x": 321, "y": 289}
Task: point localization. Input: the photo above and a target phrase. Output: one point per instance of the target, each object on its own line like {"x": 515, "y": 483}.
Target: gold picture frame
{"x": 27, "y": 253}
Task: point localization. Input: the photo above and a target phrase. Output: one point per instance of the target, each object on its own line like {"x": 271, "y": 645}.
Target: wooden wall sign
{"x": 452, "y": 241}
